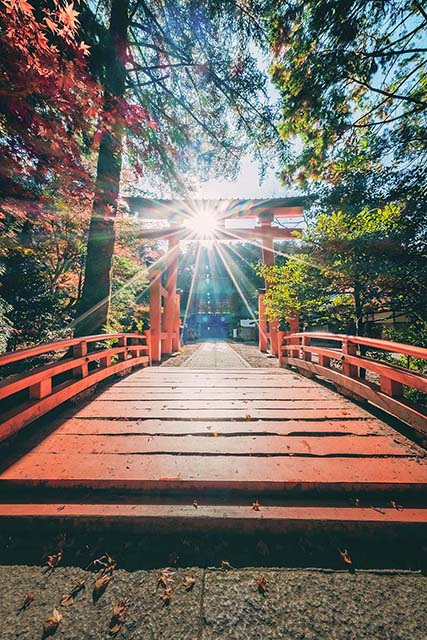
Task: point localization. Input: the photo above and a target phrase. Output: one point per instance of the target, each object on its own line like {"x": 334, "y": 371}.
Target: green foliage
{"x": 350, "y": 266}
{"x": 352, "y": 80}
{"x": 129, "y": 282}
{"x": 5, "y": 326}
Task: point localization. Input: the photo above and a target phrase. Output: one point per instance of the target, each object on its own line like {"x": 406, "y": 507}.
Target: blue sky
{"x": 246, "y": 185}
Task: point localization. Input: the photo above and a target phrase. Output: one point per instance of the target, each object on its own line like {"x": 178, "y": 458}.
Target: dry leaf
{"x": 248, "y": 416}
{"x": 53, "y": 561}
{"x": 378, "y": 509}
{"x": 100, "y": 585}
{"x": 396, "y": 506}
{"x": 256, "y": 505}
{"x": 195, "y": 504}
{"x": 52, "y": 623}
{"x": 164, "y": 578}
{"x": 119, "y": 614}
{"x": 262, "y": 584}
{"x": 68, "y": 598}
{"x": 189, "y": 582}
{"x": 225, "y": 565}
{"x": 167, "y": 595}
{"x": 345, "y": 556}
{"x": 27, "y": 601}
{"x": 106, "y": 562}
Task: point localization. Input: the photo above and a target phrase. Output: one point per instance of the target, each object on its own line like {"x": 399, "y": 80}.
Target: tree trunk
{"x": 358, "y": 310}
{"x": 92, "y": 311}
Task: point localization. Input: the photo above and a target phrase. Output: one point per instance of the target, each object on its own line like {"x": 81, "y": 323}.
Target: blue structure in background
{"x": 208, "y": 326}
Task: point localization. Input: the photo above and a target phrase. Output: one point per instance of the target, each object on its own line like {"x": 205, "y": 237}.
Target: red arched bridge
{"x": 322, "y": 438}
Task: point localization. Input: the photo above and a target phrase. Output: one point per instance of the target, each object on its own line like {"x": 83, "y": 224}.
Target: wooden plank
{"x": 89, "y": 426}
{"x": 106, "y": 406}
{"x": 123, "y": 410}
{"x": 190, "y": 393}
{"x": 200, "y": 473}
{"x": 215, "y": 444}
{"x": 178, "y": 516}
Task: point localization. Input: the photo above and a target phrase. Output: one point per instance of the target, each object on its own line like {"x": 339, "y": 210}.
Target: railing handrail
{"x": 30, "y": 352}
{"x": 387, "y": 390}
{"x": 33, "y": 393}
{"x": 384, "y": 345}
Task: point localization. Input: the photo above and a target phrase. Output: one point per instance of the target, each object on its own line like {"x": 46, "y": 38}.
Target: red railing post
{"x": 79, "y": 351}
{"x": 123, "y": 343}
{"x": 349, "y": 348}
{"x": 41, "y": 389}
{"x": 390, "y": 387}
{"x": 306, "y": 355}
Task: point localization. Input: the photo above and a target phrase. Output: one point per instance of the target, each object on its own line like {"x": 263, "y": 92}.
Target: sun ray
{"x": 240, "y": 292}
{"x": 131, "y": 280}
{"x": 193, "y": 280}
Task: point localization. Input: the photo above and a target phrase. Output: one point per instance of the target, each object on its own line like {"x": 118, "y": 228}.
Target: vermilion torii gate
{"x": 174, "y": 217}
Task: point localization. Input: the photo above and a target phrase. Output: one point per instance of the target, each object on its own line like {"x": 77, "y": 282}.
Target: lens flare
{"x": 203, "y": 224}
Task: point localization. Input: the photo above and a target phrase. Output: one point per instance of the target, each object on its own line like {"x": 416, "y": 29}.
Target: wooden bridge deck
{"x": 245, "y": 435}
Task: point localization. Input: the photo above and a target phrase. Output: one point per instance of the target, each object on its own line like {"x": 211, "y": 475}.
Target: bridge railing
{"x": 73, "y": 366}
{"x": 358, "y": 370}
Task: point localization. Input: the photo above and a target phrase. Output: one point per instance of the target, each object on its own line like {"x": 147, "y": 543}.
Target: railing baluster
{"x": 41, "y": 389}
{"x": 79, "y": 351}
{"x": 349, "y": 348}
{"x": 306, "y": 355}
{"x": 390, "y": 387}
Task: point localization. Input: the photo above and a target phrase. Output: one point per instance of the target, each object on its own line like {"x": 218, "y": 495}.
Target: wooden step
{"x": 173, "y": 517}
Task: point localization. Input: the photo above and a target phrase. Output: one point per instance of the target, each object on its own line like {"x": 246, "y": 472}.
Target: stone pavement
{"x": 299, "y": 605}
{"x": 216, "y": 355}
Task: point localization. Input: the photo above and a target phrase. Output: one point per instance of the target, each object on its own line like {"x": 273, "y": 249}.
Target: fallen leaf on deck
{"x": 225, "y": 565}
{"x": 119, "y": 614}
{"x": 27, "y": 601}
{"x": 189, "y": 582}
{"x": 248, "y": 416}
{"x": 52, "y": 623}
{"x": 396, "y": 506}
{"x": 262, "y": 584}
{"x": 68, "y": 598}
{"x": 345, "y": 556}
{"x": 100, "y": 585}
{"x": 378, "y": 509}
{"x": 164, "y": 578}
{"x": 256, "y": 505}
{"x": 166, "y": 597}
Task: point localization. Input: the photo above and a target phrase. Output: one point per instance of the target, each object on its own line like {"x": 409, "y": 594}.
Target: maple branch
{"x": 386, "y": 120}
{"x": 389, "y": 94}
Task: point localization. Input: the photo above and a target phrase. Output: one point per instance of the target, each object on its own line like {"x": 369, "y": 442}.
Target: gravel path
{"x": 251, "y": 354}
{"x": 226, "y": 605}
{"x": 178, "y": 359}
